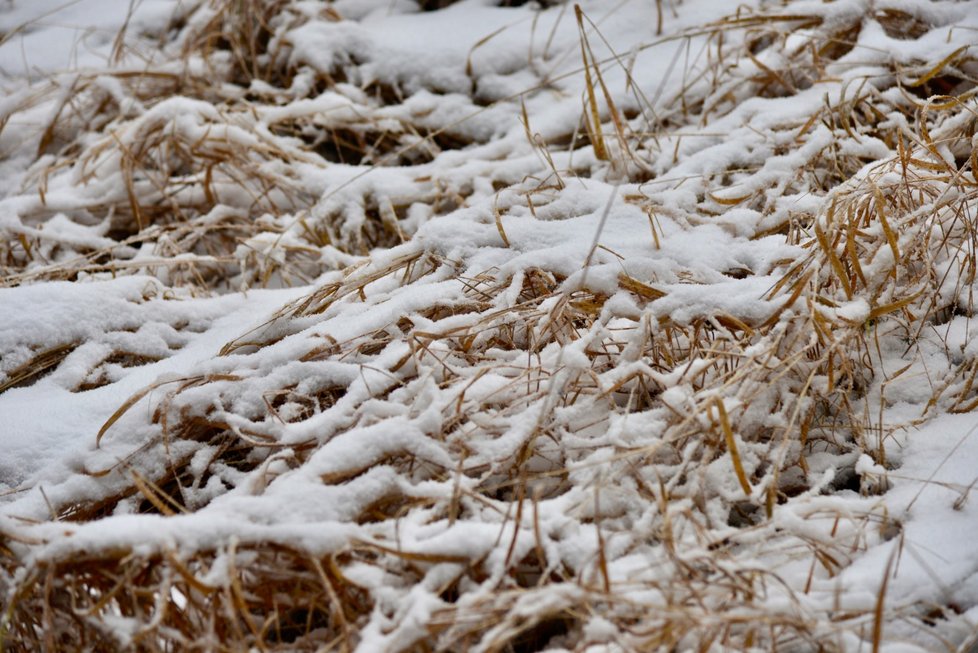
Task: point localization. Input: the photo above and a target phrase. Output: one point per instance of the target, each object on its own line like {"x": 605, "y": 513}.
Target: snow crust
{"x": 463, "y": 220}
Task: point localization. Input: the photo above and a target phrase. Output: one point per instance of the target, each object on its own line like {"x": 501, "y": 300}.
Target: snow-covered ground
{"x": 41, "y": 36}
{"x": 638, "y": 326}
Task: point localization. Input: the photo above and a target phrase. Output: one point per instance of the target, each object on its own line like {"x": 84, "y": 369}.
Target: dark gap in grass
{"x": 122, "y": 358}
{"x": 520, "y": 3}
{"x": 840, "y": 44}
{"x": 901, "y": 25}
{"x": 760, "y": 43}
{"x": 539, "y": 636}
{"x": 945, "y": 314}
{"x": 940, "y": 613}
{"x": 744, "y": 514}
{"x": 527, "y": 572}
{"x": 435, "y": 5}
{"x": 290, "y": 406}
{"x": 295, "y": 623}
{"x": 360, "y": 146}
{"x": 37, "y": 368}
{"x": 94, "y": 510}
{"x": 949, "y": 84}
{"x": 391, "y": 506}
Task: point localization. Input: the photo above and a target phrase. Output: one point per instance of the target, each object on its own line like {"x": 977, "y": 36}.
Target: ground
{"x": 488, "y": 325}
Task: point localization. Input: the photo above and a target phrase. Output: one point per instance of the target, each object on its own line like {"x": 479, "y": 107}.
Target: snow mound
{"x": 495, "y": 326}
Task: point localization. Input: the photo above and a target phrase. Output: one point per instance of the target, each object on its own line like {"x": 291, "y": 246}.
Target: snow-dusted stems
{"x": 410, "y": 453}
{"x": 458, "y": 369}
{"x": 891, "y": 263}
{"x": 246, "y": 33}
{"x": 183, "y": 175}
{"x": 742, "y": 398}
{"x": 243, "y": 209}
{"x": 774, "y": 54}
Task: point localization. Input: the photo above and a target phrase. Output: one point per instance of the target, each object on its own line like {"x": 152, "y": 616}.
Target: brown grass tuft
{"x": 505, "y": 459}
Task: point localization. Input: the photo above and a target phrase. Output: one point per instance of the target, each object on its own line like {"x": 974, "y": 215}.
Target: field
{"x": 489, "y": 325}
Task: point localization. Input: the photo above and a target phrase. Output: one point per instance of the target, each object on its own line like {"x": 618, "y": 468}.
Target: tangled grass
{"x": 426, "y": 453}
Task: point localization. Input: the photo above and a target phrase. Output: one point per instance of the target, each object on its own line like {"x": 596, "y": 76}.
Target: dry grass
{"x": 509, "y": 383}
{"x": 206, "y": 160}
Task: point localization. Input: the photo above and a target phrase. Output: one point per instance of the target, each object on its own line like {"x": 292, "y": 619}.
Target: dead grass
{"x": 891, "y": 254}
{"x": 214, "y": 155}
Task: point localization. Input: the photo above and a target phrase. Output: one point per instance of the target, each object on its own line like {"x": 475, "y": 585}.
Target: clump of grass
{"x": 218, "y": 162}
{"x": 39, "y": 364}
{"x": 512, "y": 461}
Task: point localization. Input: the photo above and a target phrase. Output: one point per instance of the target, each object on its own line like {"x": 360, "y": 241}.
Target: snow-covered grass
{"x": 394, "y": 325}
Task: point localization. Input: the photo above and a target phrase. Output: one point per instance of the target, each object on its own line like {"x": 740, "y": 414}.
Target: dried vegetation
{"x": 517, "y": 459}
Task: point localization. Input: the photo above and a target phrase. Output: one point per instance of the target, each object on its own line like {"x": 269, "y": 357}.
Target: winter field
{"x": 489, "y": 325}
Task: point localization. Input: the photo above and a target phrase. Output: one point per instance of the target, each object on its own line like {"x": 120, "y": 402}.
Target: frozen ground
{"x": 41, "y": 36}
{"x": 488, "y": 326}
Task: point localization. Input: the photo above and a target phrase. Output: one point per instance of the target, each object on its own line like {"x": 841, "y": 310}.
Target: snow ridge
{"x": 466, "y": 326}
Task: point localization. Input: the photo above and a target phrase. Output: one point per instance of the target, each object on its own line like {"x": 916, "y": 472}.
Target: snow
{"x": 44, "y": 36}
{"x": 404, "y": 333}
{"x": 52, "y": 415}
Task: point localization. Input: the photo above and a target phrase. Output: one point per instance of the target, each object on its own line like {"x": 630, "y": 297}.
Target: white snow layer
{"x": 504, "y": 215}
